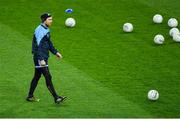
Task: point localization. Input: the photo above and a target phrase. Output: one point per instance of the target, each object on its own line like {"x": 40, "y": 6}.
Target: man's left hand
{"x": 59, "y": 56}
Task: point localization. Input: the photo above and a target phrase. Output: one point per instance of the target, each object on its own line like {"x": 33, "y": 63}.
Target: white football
{"x": 159, "y": 39}
{"x": 176, "y": 37}
{"x": 70, "y": 22}
{"x": 158, "y": 19}
{"x": 173, "y": 31}
{"x": 153, "y": 95}
{"x": 172, "y": 22}
{"x": 127, "y": 27}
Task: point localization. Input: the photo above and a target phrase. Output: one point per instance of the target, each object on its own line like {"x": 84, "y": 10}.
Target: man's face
{"x": 48, "y": 21}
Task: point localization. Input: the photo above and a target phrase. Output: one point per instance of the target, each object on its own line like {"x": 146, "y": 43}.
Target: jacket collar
{"x": 44, "y": 26}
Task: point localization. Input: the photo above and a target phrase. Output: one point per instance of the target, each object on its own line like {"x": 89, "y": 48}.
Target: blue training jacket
{"x": 41, "y": 43}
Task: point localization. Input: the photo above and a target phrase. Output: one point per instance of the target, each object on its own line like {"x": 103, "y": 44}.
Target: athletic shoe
{"x": 32, "y": 99}
{"x": 60, "y": 99}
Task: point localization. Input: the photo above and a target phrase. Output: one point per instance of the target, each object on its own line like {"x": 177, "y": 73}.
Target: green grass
{"x": 104, "y": 71}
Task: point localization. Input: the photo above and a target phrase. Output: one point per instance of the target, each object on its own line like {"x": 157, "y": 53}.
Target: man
{"x": 41, "y": 45}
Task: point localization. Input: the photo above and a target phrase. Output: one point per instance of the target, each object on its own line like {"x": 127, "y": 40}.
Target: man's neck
{"x": 44, "y": 25}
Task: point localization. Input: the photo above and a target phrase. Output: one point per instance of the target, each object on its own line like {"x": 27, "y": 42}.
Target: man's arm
{"x": 53, "y": 50}
{"x": 40, "y": 52}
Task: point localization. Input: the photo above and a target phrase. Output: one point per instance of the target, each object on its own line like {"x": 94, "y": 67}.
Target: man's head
{"x": 46, "y": 18}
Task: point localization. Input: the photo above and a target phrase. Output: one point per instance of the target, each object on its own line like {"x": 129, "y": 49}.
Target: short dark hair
{"x": 44, "y": 16}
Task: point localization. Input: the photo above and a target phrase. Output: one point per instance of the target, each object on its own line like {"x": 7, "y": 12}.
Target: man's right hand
{"x": 42, "y": 63}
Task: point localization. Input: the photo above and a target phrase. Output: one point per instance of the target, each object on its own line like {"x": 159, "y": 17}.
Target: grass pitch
{"x": 104, "y": 71}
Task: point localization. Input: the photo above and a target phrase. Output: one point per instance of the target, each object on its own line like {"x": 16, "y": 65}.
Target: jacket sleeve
{"x": 40, "y": 52}
{"x": 52, "y": 48}
{"x": 37, "y": 50}
{"x": 32, "y": 49}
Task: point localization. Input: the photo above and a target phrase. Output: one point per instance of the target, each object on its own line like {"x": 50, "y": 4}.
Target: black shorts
{"x": 37, "y": 63}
